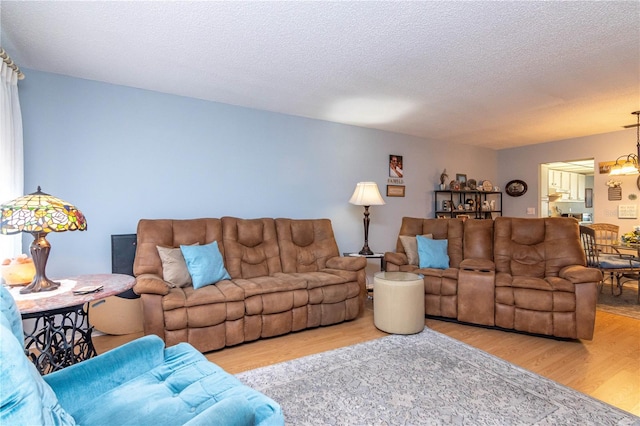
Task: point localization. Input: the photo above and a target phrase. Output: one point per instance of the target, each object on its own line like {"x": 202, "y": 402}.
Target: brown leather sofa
{"x": 286, "y": 275}
{"x": 520, "y": 274}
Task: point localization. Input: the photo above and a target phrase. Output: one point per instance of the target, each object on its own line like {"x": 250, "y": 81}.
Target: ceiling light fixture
{"x": 630, "y": 165}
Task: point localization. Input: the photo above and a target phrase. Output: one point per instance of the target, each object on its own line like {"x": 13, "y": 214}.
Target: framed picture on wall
{"x": 395, "y": 166}
{"x": 395, "y": 190}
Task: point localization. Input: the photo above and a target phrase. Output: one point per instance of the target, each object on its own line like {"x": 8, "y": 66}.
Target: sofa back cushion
{"x": 171, "y": 233}
{"x": 536, "y": 247}
{"x": 305, "y": 244}
{"x": 251, "y": 247}
{"x": 478, "y": 239}
{"x": 441, "y": 229}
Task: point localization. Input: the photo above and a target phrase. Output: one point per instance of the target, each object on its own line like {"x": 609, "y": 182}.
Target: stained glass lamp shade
{"x": 38, "y": 214}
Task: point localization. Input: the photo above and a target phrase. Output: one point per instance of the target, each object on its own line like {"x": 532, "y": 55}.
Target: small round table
{"x": 61, "y": 334}
{"x": 398, "y": 305}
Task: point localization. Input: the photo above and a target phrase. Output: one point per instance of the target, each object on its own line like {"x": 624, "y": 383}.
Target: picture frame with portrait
{"x": 396, "y": 167}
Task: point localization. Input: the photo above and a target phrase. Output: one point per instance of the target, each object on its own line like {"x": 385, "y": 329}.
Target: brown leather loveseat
{"x": 286, "y": 275}
{"x": 521, "y": 274}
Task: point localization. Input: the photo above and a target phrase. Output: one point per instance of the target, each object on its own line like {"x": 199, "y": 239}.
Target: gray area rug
{"x": 422, "y": 379}
{"x": 626, "y": 304}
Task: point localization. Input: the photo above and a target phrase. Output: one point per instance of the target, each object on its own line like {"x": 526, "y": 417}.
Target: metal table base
{"x": 58, "y": 338}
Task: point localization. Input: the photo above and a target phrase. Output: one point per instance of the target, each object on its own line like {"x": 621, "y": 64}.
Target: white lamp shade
{"x": 366, "y": 194}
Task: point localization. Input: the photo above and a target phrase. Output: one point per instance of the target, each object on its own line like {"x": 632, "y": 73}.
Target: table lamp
{"x": 38, "y": 214}
{"x": 366, "y": 194}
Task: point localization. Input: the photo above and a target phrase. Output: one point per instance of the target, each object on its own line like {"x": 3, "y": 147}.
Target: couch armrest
{"x": 78, "y": 384}
{"x": 150, "y": 283}
{"x": 580, "y": 274}
{"x": 397, "y": 259}
{"x": 347, "y": 263}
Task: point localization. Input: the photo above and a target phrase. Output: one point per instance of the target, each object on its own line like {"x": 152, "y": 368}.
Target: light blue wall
{"x": 121, "y": 154}
{"x": 524, "y": 163}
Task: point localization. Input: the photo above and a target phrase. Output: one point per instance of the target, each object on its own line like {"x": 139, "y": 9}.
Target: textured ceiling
{"x": 494, "y": 74}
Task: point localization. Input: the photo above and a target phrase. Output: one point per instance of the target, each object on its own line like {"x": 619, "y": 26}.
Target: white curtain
{"x": 11, "y": 153}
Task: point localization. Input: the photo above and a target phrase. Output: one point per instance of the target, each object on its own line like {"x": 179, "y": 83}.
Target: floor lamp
{"x": 366, "y": 194}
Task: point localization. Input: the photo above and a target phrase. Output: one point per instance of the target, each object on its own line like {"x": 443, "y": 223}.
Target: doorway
{"x": 565, "y": 188}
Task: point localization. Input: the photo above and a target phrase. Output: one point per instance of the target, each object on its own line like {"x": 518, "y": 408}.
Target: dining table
{"x": 630, "y": 251}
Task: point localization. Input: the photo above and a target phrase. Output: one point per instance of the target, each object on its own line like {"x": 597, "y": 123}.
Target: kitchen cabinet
{"x": 565, "y": 181}
{"x": 573, "y": 186}
{"x": 555, "y": 178}
{"x": 544, "y": 182}
{"x": 570, "y": 185}
{"x": 581, "y": 187}
{"x": 576, "y": 187}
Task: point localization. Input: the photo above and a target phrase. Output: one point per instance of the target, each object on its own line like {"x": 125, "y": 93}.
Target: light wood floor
{"x": 607, "y": 367}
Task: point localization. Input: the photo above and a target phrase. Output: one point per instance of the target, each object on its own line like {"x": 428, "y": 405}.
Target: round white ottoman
{"x": 398, "y": 302}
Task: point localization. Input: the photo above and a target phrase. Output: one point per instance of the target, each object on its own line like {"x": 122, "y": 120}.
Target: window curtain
{"x": 11, "y": 153}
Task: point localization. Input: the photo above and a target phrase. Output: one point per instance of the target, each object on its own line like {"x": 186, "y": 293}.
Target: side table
{"x": 369, "y": 256}
{"x": 61, "y": 334}
{"x": 399, "y": 303}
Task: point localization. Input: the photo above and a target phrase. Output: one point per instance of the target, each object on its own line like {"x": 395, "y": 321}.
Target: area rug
{"x": 626, "y": 304}
{"x": 422, "y": 379}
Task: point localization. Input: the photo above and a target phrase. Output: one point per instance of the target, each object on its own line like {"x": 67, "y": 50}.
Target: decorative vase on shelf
{"x": 442, "y": 186}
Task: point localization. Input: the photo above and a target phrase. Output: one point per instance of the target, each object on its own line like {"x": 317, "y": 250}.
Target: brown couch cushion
{"x": 305, "y": 244}
{"x": 251, "y": 247}
{"x": 171, "y": 233}
{"x": 478, "y": 239}
{"x": 536, "y": 247}
{"x": 266, "y": 285}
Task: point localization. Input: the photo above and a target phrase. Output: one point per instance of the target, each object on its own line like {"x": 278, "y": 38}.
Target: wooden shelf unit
{"x": 457, "y": 198}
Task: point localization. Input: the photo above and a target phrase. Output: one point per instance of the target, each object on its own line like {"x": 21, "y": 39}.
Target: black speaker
{"x": 123, "y": 252}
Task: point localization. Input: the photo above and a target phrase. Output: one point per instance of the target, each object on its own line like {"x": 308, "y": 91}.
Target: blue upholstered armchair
{"x": 139, "y": 383}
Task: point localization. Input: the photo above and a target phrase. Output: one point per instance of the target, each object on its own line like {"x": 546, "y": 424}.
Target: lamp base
{"x": 39, "y": 249}
{"x": 366, "y": 251}
{"x": 40, "y": 284}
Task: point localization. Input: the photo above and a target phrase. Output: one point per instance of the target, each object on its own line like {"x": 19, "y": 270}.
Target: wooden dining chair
{"x": 606, "y": 236}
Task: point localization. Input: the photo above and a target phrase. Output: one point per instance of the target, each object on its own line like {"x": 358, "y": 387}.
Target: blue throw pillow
{"x": 205, "y": 264}
{"x": 432, "y": 253}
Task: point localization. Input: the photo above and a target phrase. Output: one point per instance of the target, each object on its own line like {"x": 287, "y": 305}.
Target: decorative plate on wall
{"x": 516, "y": 188}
